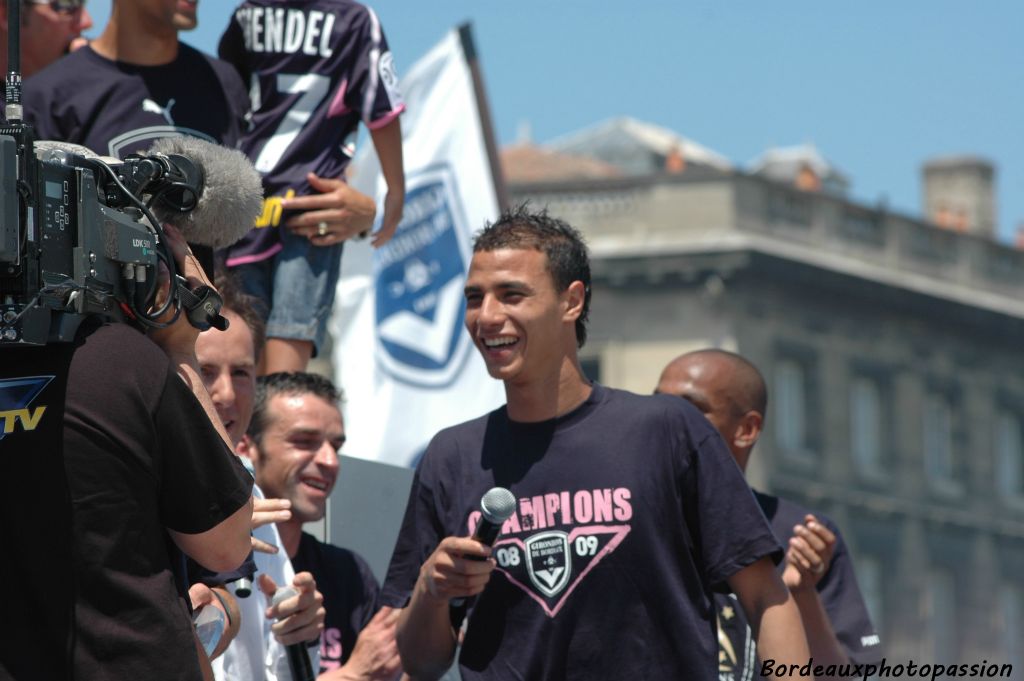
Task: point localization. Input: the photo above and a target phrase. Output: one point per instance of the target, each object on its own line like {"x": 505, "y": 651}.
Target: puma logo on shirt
{"x": 165, "y": 111}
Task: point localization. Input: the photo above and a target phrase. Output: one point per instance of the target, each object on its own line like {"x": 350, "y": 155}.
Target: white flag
{"x": 402, "y": 355}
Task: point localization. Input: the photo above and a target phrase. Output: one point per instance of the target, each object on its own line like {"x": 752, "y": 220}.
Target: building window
{"x": 789, "y": 207}
{"x": 940, "y": 621}
{"x": 863, "y": 226}
{"x": 938, "y": 443}
{"x": 866, "y": 426}
{"x": 790, "y": 407}
{"x": 1009, "y": 464}
{"x": 869, "y": 578}
{"x": 1011, "y": 600}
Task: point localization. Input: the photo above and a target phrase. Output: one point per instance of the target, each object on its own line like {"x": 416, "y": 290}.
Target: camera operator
{"x": 115, "y": 463}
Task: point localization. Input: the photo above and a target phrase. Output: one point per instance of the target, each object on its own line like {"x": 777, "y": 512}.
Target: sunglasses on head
{"x": 62, "y": 6}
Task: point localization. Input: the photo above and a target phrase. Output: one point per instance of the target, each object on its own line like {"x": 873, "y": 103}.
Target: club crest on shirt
{"x": 419, "y": 278}
{"x": 551, "y": 542}
{"x": 548, "y": 561}
{"x": 16, "y": 397}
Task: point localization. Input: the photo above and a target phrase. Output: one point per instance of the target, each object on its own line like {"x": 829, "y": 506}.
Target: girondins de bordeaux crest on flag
{"x": 401, "y": 351}
{"x": 419, "y": 275}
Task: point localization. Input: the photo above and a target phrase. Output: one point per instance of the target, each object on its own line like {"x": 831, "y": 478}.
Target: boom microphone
{"x": 231, "y": 196}
{"x": 298, "y": 656}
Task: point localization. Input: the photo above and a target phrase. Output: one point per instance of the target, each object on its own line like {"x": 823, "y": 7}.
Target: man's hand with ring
{"x": 335, "y": 214}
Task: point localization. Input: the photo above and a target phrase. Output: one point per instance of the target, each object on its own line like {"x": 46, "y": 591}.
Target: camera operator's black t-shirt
{"x": 139, "y": 455}
{"x": 630, "y": 511}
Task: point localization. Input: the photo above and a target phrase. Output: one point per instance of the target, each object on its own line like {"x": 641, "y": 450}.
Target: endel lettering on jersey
{"x": 286, "y": 30}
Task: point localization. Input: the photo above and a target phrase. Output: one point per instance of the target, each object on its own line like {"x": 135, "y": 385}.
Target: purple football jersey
{"x": 315, "y": 68}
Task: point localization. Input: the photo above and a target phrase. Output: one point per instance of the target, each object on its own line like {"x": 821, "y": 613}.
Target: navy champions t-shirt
{"x": 315, "y": 68}
{"x": 630, "y": 511}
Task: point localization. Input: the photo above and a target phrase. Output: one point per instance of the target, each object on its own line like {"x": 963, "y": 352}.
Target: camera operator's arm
{"x": 226, "y": 545}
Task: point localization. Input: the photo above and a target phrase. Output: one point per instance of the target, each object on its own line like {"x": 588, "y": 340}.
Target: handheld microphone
{"x": 496, "y": 506}
{"x": 298, "y": 657}
{"x": 231, "y": 195}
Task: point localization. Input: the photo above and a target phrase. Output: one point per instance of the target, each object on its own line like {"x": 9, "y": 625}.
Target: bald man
{"x": 732, "y": 395}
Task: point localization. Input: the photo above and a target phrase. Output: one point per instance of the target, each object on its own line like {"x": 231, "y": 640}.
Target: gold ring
{"x": 321, "y": 229}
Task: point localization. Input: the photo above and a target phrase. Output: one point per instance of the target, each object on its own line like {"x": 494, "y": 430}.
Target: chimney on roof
{"x": 675, "y": 162}
{"x": 959, "y": 194}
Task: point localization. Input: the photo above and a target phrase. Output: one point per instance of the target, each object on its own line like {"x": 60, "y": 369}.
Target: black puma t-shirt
{"x": 116, "y": 108}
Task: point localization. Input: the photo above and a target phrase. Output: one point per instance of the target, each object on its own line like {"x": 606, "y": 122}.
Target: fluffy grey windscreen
{"x": 232, "y": 194}
{"x": 497, "y": 505}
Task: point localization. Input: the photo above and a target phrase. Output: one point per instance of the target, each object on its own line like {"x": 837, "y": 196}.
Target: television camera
{"x": 81, "y": 235}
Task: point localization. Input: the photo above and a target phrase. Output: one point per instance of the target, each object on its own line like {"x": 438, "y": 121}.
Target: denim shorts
{"x": 297, "y": 285}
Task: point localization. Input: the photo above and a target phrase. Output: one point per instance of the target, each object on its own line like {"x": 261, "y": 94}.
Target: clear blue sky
{"x": 878, "y": 86}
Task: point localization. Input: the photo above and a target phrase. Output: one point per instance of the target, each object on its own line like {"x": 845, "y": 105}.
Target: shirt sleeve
{"x": 202, "y": 481}
{"x": 373, "y": 83}
{"x": 841, "y": 597}
{"x": 731, "y": 528}
{"x": 421, "y": 532}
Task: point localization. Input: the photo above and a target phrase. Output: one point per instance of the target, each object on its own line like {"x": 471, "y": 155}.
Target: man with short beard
{"x": 293, "y": 439}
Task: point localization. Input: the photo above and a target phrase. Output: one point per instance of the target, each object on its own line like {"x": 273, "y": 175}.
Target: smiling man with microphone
{"x": 629, "y": 511}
